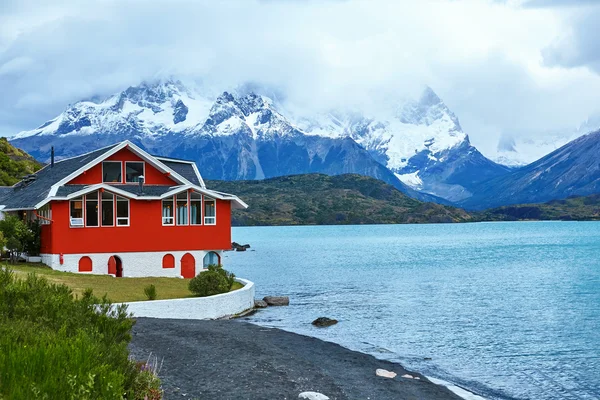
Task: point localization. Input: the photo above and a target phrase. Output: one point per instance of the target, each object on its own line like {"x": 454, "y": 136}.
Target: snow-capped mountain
{"x": 245, "y": 135}
{"x": 421, "y": 141}
{"x": 520, "y": 151}
{"x": 573, "y": 169}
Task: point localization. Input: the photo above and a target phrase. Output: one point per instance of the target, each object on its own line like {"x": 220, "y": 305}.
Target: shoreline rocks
{"x": 235, "y": 246}
{"x": 323, "y": 322}
{"x": 260, "y": 304}
{"x": 277, "y": 300}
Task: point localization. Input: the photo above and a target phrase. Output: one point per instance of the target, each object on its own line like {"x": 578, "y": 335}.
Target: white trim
{"x": 195, "y": 167}
{"x": 193, "y": 163}
{"x": 213, "y": 217}
{"x": 98, "y": 208}
{"x": 117, "y": 211}
{"x": 129, "y": 195}
{"x": 135, "y": 149}
{"x": 101, "y": 209}
{"x": 113, "y": 162}
{"x": 173, "y": 212}
{"x": 201, "y": 209}
{"x": 125, "y": 171}
{"x": 82, "y": 218}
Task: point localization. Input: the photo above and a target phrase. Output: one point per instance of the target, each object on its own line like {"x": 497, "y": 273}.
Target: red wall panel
{"x": 145, "y": 233}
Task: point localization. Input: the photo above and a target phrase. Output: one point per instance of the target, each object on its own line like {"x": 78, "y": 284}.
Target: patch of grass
{"x": 116, "y": 289}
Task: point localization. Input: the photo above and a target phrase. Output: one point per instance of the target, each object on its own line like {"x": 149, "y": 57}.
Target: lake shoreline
{"x": 238, "y": 360}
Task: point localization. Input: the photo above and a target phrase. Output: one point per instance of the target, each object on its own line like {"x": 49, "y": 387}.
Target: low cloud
{"x": 501, "y": 66}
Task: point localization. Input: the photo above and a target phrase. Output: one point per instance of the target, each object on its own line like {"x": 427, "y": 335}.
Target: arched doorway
{"x": 211, "y": 258}
{"x": 188, "y": 266}
{"x": 115, "y": 266}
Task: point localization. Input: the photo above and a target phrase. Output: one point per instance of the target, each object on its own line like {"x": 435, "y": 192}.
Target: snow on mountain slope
{"x": 247, "y": 135}
{"x": 521, "y": 151}
{"x": 153, "y": 109}
{"x": 421, "y": 141}
{"x": 413, "y": 127}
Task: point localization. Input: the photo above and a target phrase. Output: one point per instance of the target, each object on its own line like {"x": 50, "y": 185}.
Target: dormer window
{"x": 112, "y": 171}
{"x": 133, "y": 170}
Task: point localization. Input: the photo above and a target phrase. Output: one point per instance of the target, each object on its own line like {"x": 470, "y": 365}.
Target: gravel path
{"x": 236, "y": 360}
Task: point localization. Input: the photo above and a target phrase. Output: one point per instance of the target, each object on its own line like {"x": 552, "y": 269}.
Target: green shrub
{"x": 150, "y": 292}
{"x": 214, "y": 281}
{"x": 230, "y": 276}
{"x": 54, "y": 345}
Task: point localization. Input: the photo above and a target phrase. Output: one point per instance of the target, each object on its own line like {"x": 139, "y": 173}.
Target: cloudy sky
{"x": 505, "y": 67}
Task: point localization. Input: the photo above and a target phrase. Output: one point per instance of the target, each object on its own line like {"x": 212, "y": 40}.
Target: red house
{"x": 121, "y": 211}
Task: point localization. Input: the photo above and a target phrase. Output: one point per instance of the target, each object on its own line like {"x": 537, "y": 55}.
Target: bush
{"x": 214, "y": 281}
{"x": 150, "y": 292}
{"x": 54, "y": 345}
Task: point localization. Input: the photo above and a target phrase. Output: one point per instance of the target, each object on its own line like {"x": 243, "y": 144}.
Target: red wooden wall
{"x": 145, "y": 233}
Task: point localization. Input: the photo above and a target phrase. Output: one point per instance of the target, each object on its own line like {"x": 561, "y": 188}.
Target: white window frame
{"x": 114, "y": 162}
{"x": 187, "y": 209}
{"x": 99, "y": 201}
{"x": 214, "y": 222}
{"x": 172, "y": 217}
{"x": 131, "y": 162}
{"x": 201, "y": 208}
{"x": 117, "y": 218}
{"x": 114, "y": 210}
{"x": 77, "y": 222}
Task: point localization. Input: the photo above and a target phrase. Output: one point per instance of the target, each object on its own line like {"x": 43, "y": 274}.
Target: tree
{"x": 17, "y": 235}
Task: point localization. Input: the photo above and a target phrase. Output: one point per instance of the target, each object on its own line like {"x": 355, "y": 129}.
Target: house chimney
{"x": 141, "y": 182}
{"x": 52, "y": 157}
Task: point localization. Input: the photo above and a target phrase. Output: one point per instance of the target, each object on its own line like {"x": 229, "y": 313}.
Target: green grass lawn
{"x": 117, "y": 289}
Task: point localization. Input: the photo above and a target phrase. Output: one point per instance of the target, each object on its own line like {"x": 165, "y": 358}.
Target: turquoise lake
{"x": 506, "y": 310}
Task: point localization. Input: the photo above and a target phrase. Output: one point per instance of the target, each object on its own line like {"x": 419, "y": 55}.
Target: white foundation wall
{"x": 135, "y": 264}
{"x": 211, "y": 307}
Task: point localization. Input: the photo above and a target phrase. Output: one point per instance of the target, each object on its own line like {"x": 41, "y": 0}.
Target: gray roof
{"x": 149, "y": 190}
{"x": 183, "y": 168}
{"x": 27, "y": 196}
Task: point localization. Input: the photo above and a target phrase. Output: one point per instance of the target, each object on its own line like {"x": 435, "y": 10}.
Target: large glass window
{"x": 76, "y": 207}
{"x": 91, "y": 209}
{"x": 195, "y": 208}
{"x": 122, "y": 211}
{"x": 133, "y": 170}
{"x": 210, "y": 212}
{"x": 182, "y": 208}
{"x": 108, "y": 209}
{"x": 167, "y": 212}
{"x": 111, "y": 171}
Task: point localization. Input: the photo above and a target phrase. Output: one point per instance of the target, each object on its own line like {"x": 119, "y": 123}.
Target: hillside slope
{"x": 15, "y": 164}
{"x": 317, "y": 199}
{"x": 576, "y": 208}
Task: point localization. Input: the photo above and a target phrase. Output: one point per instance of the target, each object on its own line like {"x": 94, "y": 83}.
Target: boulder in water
{"x": 324, "y": 321}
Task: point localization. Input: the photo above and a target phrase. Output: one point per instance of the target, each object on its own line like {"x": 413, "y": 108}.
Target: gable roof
{"x": 21, "y": 196}
{"x": 185, "y": 168}
{"x": 50, "y": 181}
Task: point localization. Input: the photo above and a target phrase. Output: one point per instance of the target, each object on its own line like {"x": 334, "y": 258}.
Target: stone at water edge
{"x": 385, "y": 373}
{"x": 312, "y": 396}
{"x": 407, "y": 376}
{"x": 260, "y": 304}
{"x": 324, "y": 321}
{"x": 277, "y": 300}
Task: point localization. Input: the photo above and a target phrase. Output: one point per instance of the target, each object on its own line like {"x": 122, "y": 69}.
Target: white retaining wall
{"x": 211, "y": 307}
{"x": 135, "y": 264}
